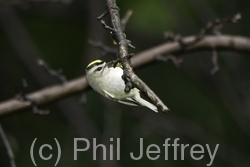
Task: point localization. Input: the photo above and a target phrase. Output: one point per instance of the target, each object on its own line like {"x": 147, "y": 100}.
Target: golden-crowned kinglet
{"x": 107, "y": 80}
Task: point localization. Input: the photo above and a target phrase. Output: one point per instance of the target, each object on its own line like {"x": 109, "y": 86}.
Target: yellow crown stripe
{"x": 94, "y": 62}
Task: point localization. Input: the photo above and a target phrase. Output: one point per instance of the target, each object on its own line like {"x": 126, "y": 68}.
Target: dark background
{"x": 205, "y": 109}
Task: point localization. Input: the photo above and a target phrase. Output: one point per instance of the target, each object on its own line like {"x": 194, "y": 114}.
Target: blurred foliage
{"x": 205, "y": 109}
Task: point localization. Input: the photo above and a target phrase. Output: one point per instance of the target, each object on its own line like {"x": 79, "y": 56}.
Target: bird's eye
{"x": 99, "y": 69}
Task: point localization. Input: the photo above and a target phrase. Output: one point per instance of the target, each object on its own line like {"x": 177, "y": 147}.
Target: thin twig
{"x": 215, "y": 62}
{"x": 131, "y": 80}
{"x": 125, "y": 19}
{"x": 57, "y": 74}
{"x": 212, "y": 26}
{"x": 8, "y": 147}
{"x": 105, "y": 26}
{"x": 174, "y": 59}
{"x": 171, "y": 37}
{"x": 215, "y": 27}
{"x": 23, "y": 89}
{"x": 22, "y": 97}
{"x": 83, "y": 99}
{"x": 106, "y": 49}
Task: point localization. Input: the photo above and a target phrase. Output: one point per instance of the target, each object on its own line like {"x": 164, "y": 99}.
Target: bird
{"x": 106, "y": 79}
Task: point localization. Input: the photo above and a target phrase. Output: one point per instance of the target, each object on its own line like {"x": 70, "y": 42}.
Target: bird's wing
{"x": 128, "y": 101}
{"x": 109, "y": 95}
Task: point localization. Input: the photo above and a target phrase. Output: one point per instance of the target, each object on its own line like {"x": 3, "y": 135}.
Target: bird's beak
{"x": 107, "y": 64}
{"x": 104, "y": 66}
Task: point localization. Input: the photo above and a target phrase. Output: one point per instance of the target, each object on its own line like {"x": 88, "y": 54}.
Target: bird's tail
{"x": 145, "y": 103}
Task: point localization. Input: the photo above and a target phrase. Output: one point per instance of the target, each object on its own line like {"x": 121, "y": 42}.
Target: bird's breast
{"x": 114, "y": 84}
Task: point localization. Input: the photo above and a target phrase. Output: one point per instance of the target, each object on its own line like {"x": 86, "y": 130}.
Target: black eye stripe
{"x": 93, "y": 65}
{"x": 99, "y": 69}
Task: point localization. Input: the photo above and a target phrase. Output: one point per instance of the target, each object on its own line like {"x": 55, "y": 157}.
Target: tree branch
{"x": 45, "y": 96}
{"x": 208, "y": 42}
{"x": 56, "y": 92}
{"x": 130, "y": 78}
{"x": 8, "y": 147}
